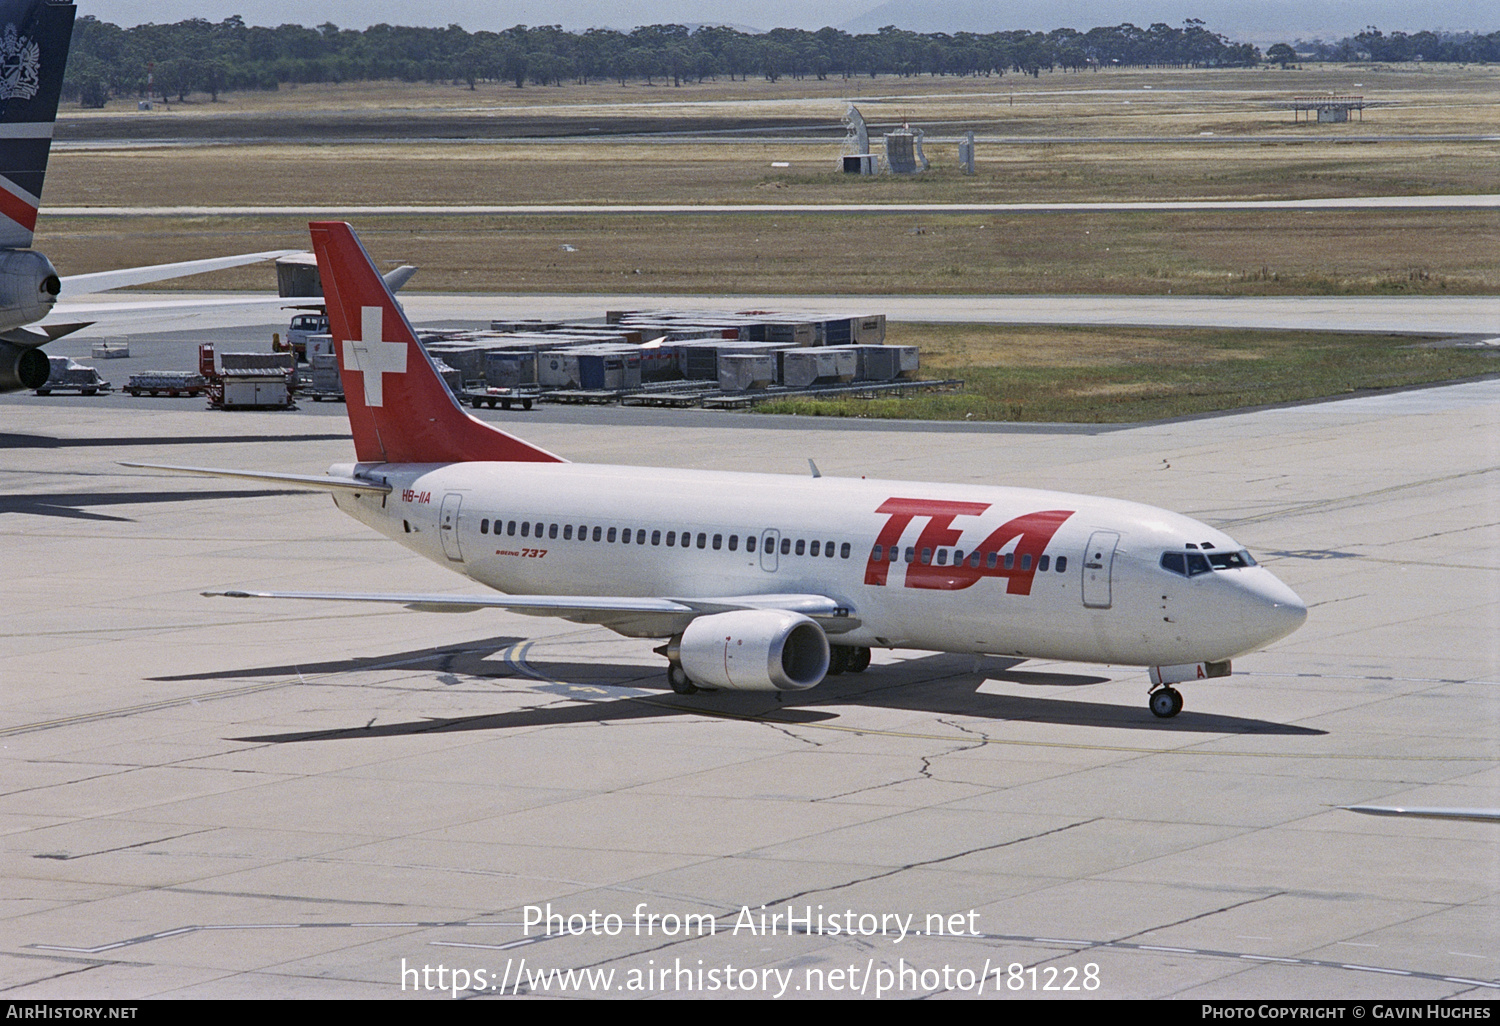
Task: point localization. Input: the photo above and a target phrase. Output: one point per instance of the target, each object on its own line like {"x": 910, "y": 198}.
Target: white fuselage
{"x": 1010, "y": 571}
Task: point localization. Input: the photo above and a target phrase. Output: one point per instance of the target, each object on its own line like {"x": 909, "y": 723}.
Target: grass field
{"x": 1108, "y": 375}
{"x": 1328, "y": 252}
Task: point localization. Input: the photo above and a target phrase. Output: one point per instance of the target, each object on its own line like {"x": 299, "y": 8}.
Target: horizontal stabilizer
{"x": 312, "y": 481}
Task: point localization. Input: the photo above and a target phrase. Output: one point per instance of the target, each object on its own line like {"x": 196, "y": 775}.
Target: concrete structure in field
{"x": 1331, "y": 109}
{"x": 214, "y": 799}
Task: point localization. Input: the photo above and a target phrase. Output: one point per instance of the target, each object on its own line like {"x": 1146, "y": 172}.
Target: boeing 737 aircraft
{"x": 34, "y": 39}
{"x": 763, "y": 582}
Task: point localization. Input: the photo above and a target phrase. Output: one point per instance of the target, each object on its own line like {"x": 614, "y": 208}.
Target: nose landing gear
{"x": 1165, "y": 702}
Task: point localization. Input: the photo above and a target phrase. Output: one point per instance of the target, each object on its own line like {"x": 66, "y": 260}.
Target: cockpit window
{"x": 1192, "y": 563}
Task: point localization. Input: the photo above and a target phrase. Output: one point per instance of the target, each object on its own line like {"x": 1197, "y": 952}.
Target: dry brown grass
{"x": 1332, "y": 252}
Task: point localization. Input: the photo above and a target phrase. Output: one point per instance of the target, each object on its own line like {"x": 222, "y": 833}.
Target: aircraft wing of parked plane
{"x": 1427, "y": 812}
{"x": 36, "y": 35}
{"x": 760, "y": 581}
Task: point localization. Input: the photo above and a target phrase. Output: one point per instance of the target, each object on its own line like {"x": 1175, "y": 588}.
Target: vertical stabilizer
{"x": 34, "y": 38}
{"x": 399, "y": 408}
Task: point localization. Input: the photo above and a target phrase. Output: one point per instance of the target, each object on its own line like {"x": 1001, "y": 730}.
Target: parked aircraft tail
{"x": 399, "y": 408}
{"x": 34, "y": 38}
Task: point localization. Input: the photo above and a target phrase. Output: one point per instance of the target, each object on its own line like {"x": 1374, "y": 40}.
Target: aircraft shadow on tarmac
{"x": 71, "y": 505}
{"x": 12, "y": 441}
{"x": 605, "y": 692}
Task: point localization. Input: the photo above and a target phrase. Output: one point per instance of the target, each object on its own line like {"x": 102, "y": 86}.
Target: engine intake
{"x": 22, "y": 367}
{"x": 753, "y": 650}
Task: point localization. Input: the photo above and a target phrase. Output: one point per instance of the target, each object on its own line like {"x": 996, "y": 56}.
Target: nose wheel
{"x": 1166, "y": 702}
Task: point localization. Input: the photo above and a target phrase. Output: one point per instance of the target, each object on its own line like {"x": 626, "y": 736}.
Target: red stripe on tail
{"x": 18, "y": 210}
{"x": 399, "y": 409}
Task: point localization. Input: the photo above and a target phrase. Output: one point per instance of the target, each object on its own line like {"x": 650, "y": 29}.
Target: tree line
{"x": 198, "y": 56}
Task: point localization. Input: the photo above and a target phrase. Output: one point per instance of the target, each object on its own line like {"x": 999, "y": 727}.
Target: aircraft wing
{"x": 103, "y": 281}
{"x": 1420, "y": 812}
{"x": 636, "y": 617}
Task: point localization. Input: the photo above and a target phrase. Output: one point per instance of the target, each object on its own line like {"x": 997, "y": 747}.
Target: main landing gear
{"x": 678, "y": 678}
{"x": 847, "y": 659}
{"x": 1166, "y": 702}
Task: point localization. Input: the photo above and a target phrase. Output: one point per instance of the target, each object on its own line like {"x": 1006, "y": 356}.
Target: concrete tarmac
{"x": 210, "y": 798}
{"x": 118, "y": 315}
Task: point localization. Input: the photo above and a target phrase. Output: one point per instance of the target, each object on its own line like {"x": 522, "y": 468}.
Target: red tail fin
{"x": 399, "y": 409}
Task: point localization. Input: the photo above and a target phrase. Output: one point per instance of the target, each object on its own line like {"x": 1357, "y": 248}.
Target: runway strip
{"x": 1488, "y": 201}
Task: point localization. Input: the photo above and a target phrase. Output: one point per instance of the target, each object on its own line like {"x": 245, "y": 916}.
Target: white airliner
{"x": 764, "y": 582}
{"x": 34, "y": 40}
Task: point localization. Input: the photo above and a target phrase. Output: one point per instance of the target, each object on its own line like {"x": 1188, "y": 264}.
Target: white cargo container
{"x": 802, "y": 368}
{"x": 743, "y": 372}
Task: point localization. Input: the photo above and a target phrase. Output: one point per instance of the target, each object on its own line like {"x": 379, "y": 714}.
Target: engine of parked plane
{"x": 22, "y": 367}
{"x": 753, "y": 650}
{"x": 28, "y": 288}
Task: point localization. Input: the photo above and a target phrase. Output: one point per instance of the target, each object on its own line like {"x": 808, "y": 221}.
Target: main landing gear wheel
{"x": 678, "y": 678}
{"x": 1166, "y": 702}
{"x": 859, "y": 660}
{"x": 838, "y": 659}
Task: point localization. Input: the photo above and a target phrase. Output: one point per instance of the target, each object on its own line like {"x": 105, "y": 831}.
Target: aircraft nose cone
{"x": 1274, "y": 610}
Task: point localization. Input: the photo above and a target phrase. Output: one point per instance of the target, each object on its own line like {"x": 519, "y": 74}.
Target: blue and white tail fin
{"x": 34, "y": 38}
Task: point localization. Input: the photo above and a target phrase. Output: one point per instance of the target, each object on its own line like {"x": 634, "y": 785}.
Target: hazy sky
{"x": 1245, "y": 20}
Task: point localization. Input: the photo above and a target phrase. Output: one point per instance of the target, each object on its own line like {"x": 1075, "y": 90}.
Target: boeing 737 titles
{"x": 763, "y": 582}
{"x": 34, "y": 40}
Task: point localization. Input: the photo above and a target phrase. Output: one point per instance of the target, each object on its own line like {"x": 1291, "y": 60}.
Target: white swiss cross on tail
{"x": 373, "y": 357}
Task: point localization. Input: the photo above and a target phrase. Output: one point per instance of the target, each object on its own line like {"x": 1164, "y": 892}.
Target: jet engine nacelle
{"x": 28, "y": 287}
{"x": 22, "y": 367}
{"x": 753, "y": 650}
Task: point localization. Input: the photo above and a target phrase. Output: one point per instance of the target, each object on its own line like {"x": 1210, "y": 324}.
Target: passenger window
{"x": 702, "y": 540}
{"x": 926, "y": 556}
{"x": 671, "y": 538}
{"x": 876, "y": 553}
{"x": 567, "y": 532}
{"x": 610, "y": 536}
{"x": 611, "y": 533}
{"x": 911, "y": 554}
{"x": 943, "y": 557}
{"x": 510, "y": 528}
{"x": 817, "y": 548}
{"x": 1026, "y": 562}
{"x": 992, "y": 560}
{"x": 828, "y": 550}
{"x": 1042, "y": 563}
{"x": 551, "y": 530}
{"x": 801, "y": 546}
{"x": 844, "y": 551}
{"x": 655, "y": 537}
{"x": 749, "y": 543}
{"x": 734, "y": 542}
{"x": 640, "y": 536}
{"x": 1062, "y": 564}
{"x": 484, "y": 527}
{"x": 786, "y": 546}
{"x": 538, "y": 531}
{"x": 1010, "y": 561}
{"x": 718, "y": 542}
{"x": 525, "y": 530}
{"x": 974, "y": 558}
